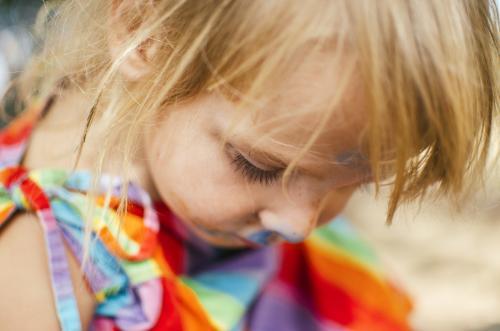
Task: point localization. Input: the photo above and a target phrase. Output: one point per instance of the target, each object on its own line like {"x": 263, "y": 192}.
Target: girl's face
{"x": 228, "y": 189}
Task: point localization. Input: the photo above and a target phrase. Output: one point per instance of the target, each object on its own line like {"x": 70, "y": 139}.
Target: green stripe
{"x": 349, "y": 244}
{"x": 225, "y": 310}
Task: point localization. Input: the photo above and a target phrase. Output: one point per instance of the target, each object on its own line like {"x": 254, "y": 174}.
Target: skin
{"x": 188, "y": 160}
{"x": 186, "y": 163}
{"x": 187, "y": 156}
{"x": 193, "y": 170}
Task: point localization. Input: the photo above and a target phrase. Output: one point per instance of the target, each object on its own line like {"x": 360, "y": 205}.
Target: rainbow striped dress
{"x": 148, "y": 272}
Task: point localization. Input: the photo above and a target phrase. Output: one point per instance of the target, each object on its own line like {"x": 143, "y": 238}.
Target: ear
{"x": 125, "y": 19}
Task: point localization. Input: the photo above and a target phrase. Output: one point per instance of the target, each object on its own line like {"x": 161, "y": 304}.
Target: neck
{"x": 55, "y": 140}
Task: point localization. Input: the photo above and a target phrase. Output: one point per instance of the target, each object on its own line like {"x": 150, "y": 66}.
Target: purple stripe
{"x": 48, "y": 219}
{"x": 95, "y": 277}
{"x": 62, "y": 285}
{"x": 277, "y": 307}
{"x": 11, "y": 155}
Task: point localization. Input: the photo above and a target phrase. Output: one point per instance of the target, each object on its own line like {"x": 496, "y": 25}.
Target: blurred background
{"x": 447, "y": 259}
{"x": 16, "y": 17}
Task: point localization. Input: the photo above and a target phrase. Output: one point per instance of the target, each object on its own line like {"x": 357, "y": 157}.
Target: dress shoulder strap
{"x": 15, "y": 136}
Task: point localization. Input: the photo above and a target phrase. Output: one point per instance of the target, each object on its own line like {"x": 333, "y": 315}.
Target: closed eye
{"x": 252, "y": 172}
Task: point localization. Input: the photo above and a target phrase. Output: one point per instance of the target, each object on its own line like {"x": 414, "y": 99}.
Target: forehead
{"x": 319, "y": 98}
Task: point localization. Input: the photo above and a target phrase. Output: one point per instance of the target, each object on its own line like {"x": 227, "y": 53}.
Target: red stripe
{"x": 34, "y": 194}
{"x": 334, "y": 303}
{"x": 169, "y": 318}
{"x": 11, "y": 175}
{"x": 329, "y": 301}
{"x": 170, "y": 240}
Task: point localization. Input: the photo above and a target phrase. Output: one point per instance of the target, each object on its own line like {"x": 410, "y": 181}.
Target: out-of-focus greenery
{"x": 16, "y": 45}
{"x": 15, "y": 4}
{"x": 9, "y": 2}
{"x": 18, "y": 12}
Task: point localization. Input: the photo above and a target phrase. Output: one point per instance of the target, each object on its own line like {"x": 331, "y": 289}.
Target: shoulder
{"x": 25, "y": 281}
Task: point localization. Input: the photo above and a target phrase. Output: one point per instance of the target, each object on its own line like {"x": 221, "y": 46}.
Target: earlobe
{"x": 134, "y": 62}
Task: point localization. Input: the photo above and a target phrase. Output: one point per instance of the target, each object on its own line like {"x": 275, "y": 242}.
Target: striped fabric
{"x": 148, "y": 272}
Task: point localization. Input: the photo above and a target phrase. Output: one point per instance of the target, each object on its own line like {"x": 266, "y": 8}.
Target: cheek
{"x": 194, "y": 178}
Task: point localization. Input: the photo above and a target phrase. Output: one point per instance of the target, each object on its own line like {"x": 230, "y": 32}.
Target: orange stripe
{"x": 194, "y": 317}
{"x": 363, "y": 286}
{"x": 6, "y": 211}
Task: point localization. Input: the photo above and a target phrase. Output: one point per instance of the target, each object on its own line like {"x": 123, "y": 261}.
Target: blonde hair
{"x": 429, "y": 69}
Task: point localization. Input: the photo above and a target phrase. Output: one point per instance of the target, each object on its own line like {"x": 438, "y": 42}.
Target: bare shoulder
{"x": 26, "y": 300}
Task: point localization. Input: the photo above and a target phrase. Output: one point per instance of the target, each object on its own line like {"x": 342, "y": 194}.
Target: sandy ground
{"x": 448, "y": 260}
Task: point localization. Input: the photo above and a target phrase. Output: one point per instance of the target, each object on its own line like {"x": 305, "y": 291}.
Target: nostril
{"x": 292, "y": 227}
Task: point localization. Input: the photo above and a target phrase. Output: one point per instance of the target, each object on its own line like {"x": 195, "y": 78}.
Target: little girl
{"x": 173, "y": 157}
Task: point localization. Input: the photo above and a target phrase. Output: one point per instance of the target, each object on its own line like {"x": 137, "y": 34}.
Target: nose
{"x": 294, "y": 223}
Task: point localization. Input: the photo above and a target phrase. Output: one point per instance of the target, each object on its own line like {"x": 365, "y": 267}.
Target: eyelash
{"x": 252, "y": 173}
